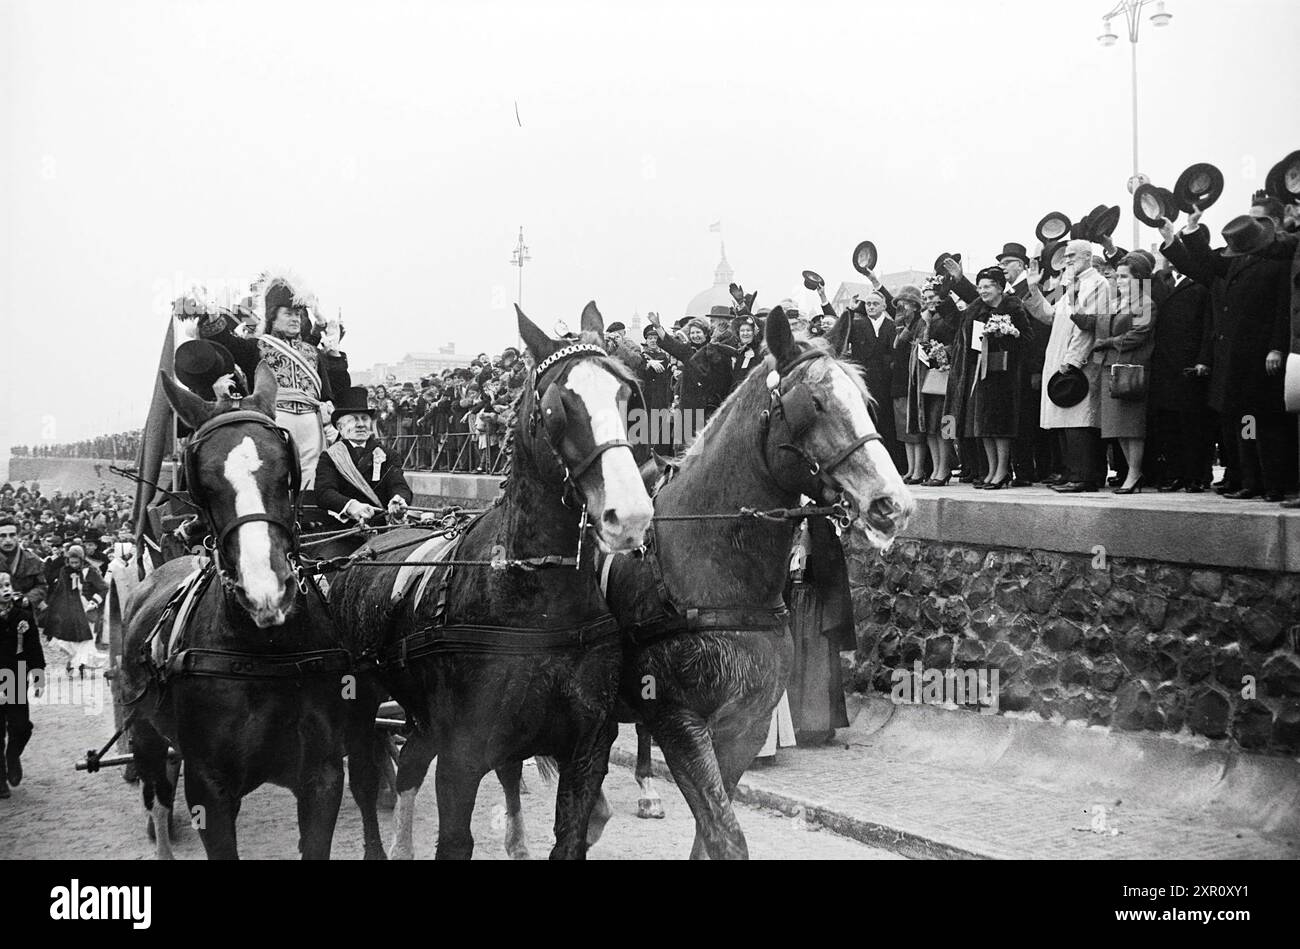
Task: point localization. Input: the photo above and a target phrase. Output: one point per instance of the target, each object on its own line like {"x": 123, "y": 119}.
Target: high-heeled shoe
{"x": 980, "y": 484}
{"x": 935, "y": 482}
{"x": 1138, "y": 485}
{"x": 910, "y": 480}
{"x": 1003, "y": 483}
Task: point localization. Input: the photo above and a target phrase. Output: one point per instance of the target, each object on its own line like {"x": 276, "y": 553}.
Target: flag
{"x": 156, "y": 442}
{"x": 715, "y": 227}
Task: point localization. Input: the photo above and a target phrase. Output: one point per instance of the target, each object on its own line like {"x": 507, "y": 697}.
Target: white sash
{"x": 342, "y": 459}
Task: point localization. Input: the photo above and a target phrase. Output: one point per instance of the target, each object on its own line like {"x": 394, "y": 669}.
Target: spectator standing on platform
{"x": 938, "y": 334}
{"x": 909, "y": 328}
{"x": 996, "y": 386}
{"x": 1085, "y": 294}
{"x": 1031, "y": 451}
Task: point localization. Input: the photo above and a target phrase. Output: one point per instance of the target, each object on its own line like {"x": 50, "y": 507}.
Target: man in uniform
{"x": 355, "y": 478}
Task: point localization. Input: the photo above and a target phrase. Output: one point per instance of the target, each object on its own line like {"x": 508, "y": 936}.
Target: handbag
{"x": 1128, "y": 382}
{"x": 936, "y": 382}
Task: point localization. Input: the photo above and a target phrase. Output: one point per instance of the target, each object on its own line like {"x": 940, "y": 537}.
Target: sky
{"x": 375, "y": 149}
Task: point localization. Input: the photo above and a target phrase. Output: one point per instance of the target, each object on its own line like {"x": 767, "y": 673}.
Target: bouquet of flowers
{"x": 1000, "y": 325}
{"x": 937, "y": 354}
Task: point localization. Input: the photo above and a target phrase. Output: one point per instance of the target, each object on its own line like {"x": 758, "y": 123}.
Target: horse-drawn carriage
{"x": 520, "y": 632}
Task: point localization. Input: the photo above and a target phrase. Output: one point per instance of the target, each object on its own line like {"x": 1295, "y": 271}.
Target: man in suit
{"x": 1181, "y": 435}
{"x": 1250, "y": 300}
{"x": 355, "y": 478}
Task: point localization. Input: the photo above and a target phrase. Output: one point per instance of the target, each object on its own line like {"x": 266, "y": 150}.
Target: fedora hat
{"x": 1014, "y": 250}
{"x": 1153, "y": 205}
{"x": 1052, "y": 227}
{"x": 864, "y": 257}
{"x": 352, "y": 402}
{"x": 1283, "y": 181}
{"x": 938, "y": 261}
{"x": 1068, "y": 387}
{"x": 199, "y": 363}
{"x": 1247, "y": 235}
{"x": 1105, "y": 222}
{"x": 813, "y": 280}
{"x": 1199, "y": 186}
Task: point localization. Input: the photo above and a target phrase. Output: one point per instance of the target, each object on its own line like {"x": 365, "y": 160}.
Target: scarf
{"x": 342, "y": 459}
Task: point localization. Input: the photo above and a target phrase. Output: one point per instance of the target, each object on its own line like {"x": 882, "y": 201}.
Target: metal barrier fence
{"x": 454, "y": 451}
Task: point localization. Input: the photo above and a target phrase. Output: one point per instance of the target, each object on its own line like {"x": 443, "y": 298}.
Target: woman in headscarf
{"x": 752, "y": 350}
{"x": 907, "y": 422}
{"x": 993, "y": 409}
{"x": 77, "y": 592}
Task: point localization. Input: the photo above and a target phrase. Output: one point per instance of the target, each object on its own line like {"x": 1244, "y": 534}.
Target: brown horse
{"x": 493, "y": 665}
{"x": 710, "y": 649}
{"x": 256, "y": 693}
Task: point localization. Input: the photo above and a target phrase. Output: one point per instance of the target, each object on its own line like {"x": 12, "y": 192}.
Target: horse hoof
{"x": 397, "y": 852}
{"x": 376, "y": 852}
{"x": 387, "y": 799}
{"x": 519, "y": 852}
{"x": 149, "y": 829}
{"x": 129, "y": 774}
{"x": 650, "y": 808}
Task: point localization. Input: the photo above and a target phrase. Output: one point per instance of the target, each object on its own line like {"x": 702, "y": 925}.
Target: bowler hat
{"x": 938, "y": 261}
{"x": 1052, "y": 227}
{"x": 1068, "y": 387}
{"x": 813, "y": 280}
{"x": 1015, "y": 250}
{"x": 1283, "y": 181}
{"x": 864, "y": 257}
{"x": 199, "y": 363}
{"x": 1052, "y": 259}
{"x": 352, "y": 402}
{"x": 1198, "y": 187}
{"x": 1105, "y": 222}
{"x": 1247, "y": 235}
{"x": 1153, "y": 205}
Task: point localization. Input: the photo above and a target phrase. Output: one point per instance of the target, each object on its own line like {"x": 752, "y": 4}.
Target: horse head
{"x": 821, "y": 438}
{"x": 571, "y": 425}
{"x": 242, "y": 473}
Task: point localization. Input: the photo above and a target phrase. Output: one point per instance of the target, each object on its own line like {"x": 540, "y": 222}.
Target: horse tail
{"x": 548, "y": 768}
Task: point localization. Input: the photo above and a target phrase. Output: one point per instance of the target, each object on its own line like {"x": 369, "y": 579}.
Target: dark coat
{"x": 743, "y": 363}
{"x": 990, "y": 407}
{"x": 1181, "y": 333}
{"x": 333, "y": 491}
{"x": 1250, "y": 301}
{"x": 656, "y": 387}
{"x": 27, "y": 574}
{"x": 19, "y": 642}
{"x": 874, "y": 352}
{"x": 67, "y": 618}
{"x": 706, "y": 371}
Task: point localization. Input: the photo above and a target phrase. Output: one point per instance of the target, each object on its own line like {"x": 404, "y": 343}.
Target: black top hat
{"x": 1283, "y": 181}
{"x": 1247, "y": 235}
{"x": 813, "y": 280}
{"x": 864, "y": 257}
{"x": 199, "y": 363}
{"x": 1068, "y": 387}
{"x": 1198, "y": 187}
{"x": 1052, "y": 227}
{"x": 1015, "y": 250}
{"x": 1052, "y": 259}
{"x": 1152, "y": 205}
{"x": 1105, "y": 221}
{"x": 938, "y": 261}
{"x": 352, "y": 402}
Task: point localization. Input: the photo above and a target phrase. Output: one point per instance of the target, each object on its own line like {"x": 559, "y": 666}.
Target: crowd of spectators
{"x": 120, "y": 446}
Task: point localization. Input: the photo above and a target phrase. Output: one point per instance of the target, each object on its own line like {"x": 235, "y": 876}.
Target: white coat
{"x": 1088, "y": 295}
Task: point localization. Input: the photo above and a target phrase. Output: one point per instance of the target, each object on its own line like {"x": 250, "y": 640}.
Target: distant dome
{"x": 716, "y": 295}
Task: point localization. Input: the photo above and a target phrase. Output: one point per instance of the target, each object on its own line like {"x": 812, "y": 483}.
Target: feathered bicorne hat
{"x": 276, "y": 287}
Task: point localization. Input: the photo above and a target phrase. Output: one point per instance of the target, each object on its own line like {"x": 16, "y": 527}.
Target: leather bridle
{"x": 794, "y": 409}
{"x": 548, "y": 413}
{"x": 219, "y": 534}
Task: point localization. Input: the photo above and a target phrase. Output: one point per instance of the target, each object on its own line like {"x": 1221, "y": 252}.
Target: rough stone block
{"x": 1075, "y": 670}
{"x": 938, "y": 651}
{"x": 1252, "y": 724}
{"x": 1281, "y": 676}
{"x": 1208, "y": 713}
{"x": 1152, "y": 609}
{"x": 1134, "y": 706}
{"x": 1261, "y": 629}
{"x": 1207, "y": 583}
{"x": 1061, "y": 634}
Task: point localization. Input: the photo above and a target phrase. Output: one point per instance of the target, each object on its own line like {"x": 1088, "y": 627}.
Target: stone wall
{"x": 1129, "y": 643}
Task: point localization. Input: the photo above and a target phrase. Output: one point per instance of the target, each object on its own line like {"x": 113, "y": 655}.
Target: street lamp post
{"x": 518, "y": 259}
{"x": 1131, "y": 10}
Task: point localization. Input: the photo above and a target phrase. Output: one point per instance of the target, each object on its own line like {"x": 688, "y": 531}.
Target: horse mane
{"x": 754, "y": 384}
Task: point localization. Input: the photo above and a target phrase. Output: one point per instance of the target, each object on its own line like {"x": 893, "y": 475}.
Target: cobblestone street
{"x": 60, "y": 812}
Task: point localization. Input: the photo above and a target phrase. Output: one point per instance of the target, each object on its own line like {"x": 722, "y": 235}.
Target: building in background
{"x": 412, "y": 366}
{"x": 716, "y": 295}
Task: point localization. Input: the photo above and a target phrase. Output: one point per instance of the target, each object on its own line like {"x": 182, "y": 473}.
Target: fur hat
{"x": 909, "y": 292}
{"x": 277, "y": 287}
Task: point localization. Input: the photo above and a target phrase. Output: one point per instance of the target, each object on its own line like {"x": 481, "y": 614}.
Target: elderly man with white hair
{"x": 1085, "y": 295}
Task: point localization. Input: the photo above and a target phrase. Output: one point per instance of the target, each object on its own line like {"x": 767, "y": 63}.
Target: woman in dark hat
{"x": 905, "y": 385}
{"x": 996, "y": 383}
{"x": 706, "y": 368}
{"x": 752, "y": 350}
{"x": 1126, "y": 336}
{"x": 939, "y": 321}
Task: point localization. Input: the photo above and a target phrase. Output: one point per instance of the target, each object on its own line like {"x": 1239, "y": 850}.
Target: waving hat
{"x": 864, "y": 257}
{"x": 1283, "y": 181}
{"x": 1152, "y": 205}
{"x": 1198, "y": 187}
{"x": 200, "y": 363}
{"x": 1052, "y": 227}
